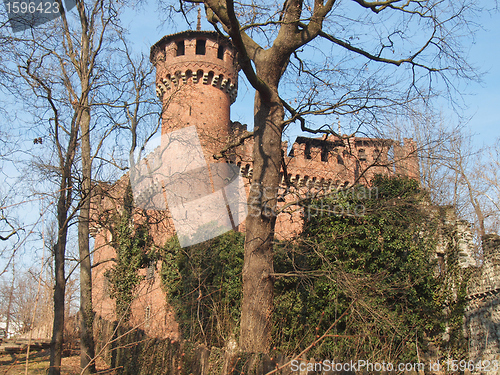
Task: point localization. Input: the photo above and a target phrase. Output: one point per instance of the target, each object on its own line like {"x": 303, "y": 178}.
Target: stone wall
{"x": 482, "y": 316}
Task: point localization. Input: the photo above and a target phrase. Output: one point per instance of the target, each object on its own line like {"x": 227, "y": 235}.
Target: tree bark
{"x": 258, "y": 284}
{"x": 87, "y": 352}
{"x": 63, "y": 204}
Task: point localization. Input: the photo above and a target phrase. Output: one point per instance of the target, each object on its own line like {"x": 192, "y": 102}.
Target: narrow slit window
{"x": 362, "y": 155}
{"x": 220, "y": 52}
{"x": 307, "y": 152}
{"x": 181, "y": 50}
{"x": 200, "y": 47}
{"x": 150, "y": 271}
{"x": 324, "y": 154}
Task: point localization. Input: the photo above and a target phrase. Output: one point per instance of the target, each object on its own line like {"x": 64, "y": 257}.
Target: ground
{"x": 15, "y": 364}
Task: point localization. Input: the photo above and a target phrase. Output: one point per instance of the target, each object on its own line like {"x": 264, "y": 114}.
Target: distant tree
{"x": 473, "y": 180}
{"x": 65, "y": 68}
{"x": 17, "y": 297}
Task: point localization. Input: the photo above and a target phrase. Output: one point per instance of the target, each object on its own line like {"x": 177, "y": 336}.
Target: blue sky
{"x": 482, "y": 100}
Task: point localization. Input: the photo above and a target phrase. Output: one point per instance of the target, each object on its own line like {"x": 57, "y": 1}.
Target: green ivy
{"x": 131, "y": 243}
{"x": 203, "y": 283}
{"x": 378, "y": 267}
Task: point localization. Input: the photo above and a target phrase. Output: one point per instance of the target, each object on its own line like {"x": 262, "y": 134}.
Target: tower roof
{"x": 185, "y": 35}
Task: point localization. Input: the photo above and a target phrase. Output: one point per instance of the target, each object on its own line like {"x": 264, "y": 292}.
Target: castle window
{"x": 181, "y": 50}
{"x": 200, "y": 46}
{"x": 324, "y": 154}
{"x": 307, "y": 151}
{"x": 362, "y": 154}
{"x": 220, "y": 52}
{"x": 340, "y": 160}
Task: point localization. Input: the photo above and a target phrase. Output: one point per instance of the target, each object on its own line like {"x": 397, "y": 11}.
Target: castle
{"x": 197, "y": 81}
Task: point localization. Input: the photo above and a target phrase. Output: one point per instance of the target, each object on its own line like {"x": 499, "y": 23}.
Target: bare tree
{"x": 95, "y": 20}
{"x": 472, "y": 174}
{"x": 63, "y": 68}
{"x": 367, "y": 58}
{"x": 17, "y": 296}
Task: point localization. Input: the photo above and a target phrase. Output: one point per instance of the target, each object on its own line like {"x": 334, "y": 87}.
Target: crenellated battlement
{"x": 335, "y": 162}
{"x": 195, "y": 57}
{"x": 205, "y": 75}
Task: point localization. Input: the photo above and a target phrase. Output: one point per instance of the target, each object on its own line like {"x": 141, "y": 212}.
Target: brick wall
{"x": 196, "y": 80}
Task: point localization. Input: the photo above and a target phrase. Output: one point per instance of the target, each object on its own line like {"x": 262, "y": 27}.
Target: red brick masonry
{"x": 196, "y": 79}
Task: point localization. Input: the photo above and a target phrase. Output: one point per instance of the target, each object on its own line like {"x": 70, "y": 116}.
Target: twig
{"x": 239, "y": 142}
{"x": 314, "y": 342}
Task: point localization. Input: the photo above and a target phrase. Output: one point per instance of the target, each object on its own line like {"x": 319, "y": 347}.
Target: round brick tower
{"x": 196, "y": 80}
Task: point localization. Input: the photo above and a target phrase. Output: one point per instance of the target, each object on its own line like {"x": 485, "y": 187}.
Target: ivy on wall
{"x": 382, "y": 261}
{"x": 203, "y": 283}
{"x": 377, "y": 260}
{"x": 133, "y": 246}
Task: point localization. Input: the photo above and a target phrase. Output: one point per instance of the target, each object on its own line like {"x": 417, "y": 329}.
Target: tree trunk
{"x": 56, "y": 345}
{"x": 86, "y": 309}
{"x": 11, "y": 295}
{"x": 257, "y": 304}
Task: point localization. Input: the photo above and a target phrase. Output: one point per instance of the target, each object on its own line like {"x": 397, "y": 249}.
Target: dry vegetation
{"x": 15, "y": 364}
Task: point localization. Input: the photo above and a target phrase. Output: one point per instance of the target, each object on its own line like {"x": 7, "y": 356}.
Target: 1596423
{"x": 22, "y": 7}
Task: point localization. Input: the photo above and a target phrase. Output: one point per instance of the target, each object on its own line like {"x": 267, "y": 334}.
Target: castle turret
{"x": 196, "y": 80}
